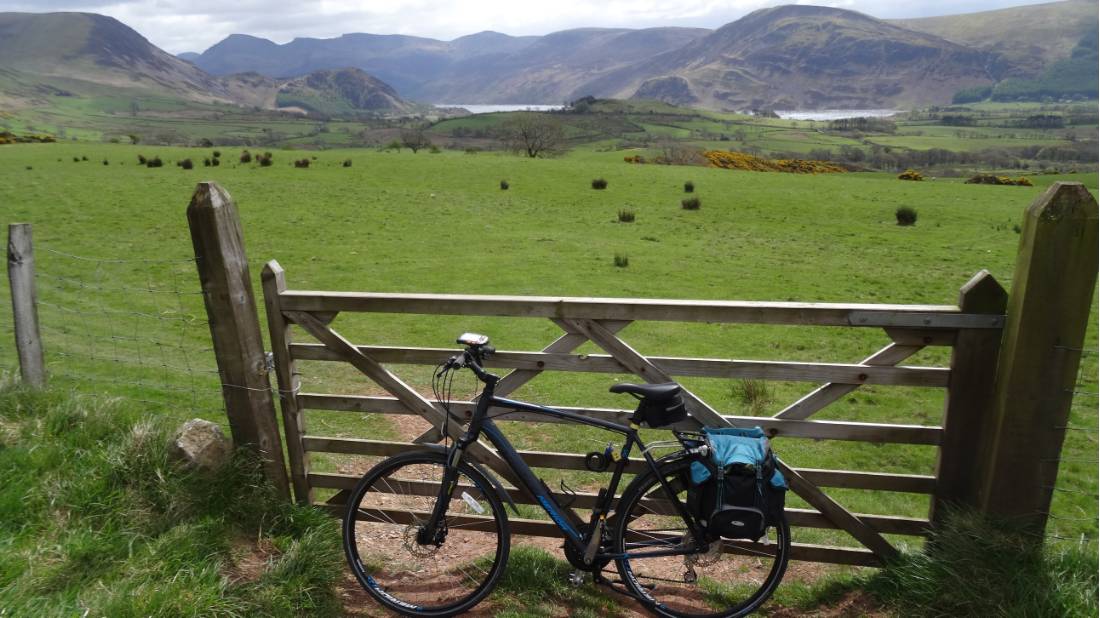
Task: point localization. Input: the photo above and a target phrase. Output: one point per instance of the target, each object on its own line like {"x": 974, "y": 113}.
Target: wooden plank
{"x": 921, "y": 336}
{"x": 857, "y": 374}
{"x": 968, "y": 407}
{"x": 803, "y": 518}
{"x": 1048, "y": 308}
{"x": 24, "y": 305}
{"x": 535, "y": 527}
{"x": 816, "y": 430}
{"x": 909, "y": 483}
{"x": 562, "y": 345}
{"x": 286, "y": 375}
{"x": 392, "y": 384}
{"x": 912, "y": 319}
{"x": 828, "y": 393}
{"x": 636, "y": 363}
{"x": 836, "y": 513}
{"x": 235, "y": 327}
{"x": 746, "y": 312}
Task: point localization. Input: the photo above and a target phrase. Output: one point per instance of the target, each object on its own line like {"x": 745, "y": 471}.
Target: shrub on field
{"x": 990, "y": 179}
{"x": 246, "y": 157}
{"x": 106, "y": 162}
{"x": 141, "y": 159}
{"x": 626, "y": 216}
{"x": 154, "y": 162}
{"x": 504, "y": 185}
{"x": 215, "y": 162}
{"x": 84, "y": 158}
{"x": 265, "y": 159}
{"x": 634, "y": 159}
{"x": 910, "y": 175}
{"x": 217, "y": 153}
{"x": 690, "y": 203}
{"x": 206, "y": 162}
{"x": 599, "y": 184}
{"x": 689, "y": 187}
{"x": 301, "y": 163}
{"x": 905, "y": 215}
{"x": 347, "y": 163}
{"x": 434, "y": 149}
{"x": 622, "y": 260}
{"x": 186, "y": 164}
{"x": 76, "y": 159}
{"x": 753, "y": 393}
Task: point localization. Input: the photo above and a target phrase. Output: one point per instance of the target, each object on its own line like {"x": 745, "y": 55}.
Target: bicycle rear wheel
{"x": 732, "y": 579}
{"x": 384, "y": 514}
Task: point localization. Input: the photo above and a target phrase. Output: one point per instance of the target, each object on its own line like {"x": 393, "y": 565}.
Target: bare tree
{"x": 415, "y": 139}
{"x": 533, "y": 133}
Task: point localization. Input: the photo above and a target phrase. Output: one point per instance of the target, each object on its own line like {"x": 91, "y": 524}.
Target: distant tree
{"x": 415, "y": 139}
{"x": 533, "y": 133}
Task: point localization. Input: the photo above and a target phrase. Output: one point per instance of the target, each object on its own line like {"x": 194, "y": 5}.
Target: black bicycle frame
{"x": 564, "y": 517}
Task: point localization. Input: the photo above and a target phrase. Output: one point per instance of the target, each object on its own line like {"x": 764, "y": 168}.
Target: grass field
{"x": 440, "y": 223}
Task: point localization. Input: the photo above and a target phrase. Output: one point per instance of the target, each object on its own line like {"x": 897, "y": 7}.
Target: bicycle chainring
{"x": 576, "y": 558}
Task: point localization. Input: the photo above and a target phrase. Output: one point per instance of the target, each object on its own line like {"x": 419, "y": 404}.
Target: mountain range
{"x": 794, "y": 57}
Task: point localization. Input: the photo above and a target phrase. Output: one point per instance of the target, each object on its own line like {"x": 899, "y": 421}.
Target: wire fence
{"x": 132, "y": 327}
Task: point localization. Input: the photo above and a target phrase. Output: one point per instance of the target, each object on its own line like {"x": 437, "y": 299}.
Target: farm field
{"x": 129, "y": 322}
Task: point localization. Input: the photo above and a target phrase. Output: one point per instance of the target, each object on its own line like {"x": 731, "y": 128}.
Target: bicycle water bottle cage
{"x": 659, "y": 405}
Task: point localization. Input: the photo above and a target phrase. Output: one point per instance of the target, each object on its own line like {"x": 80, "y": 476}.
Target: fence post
{"x": 968, "y": 408}
{"x": 1048, "y": 311}
{"x": 24, "y": 304}
{"x": 235, "y": 327}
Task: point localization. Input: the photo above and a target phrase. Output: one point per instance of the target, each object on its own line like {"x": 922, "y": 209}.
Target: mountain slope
{"x": 1029, "y": 37}
{"x": 808, "y": 57}
{"x": 340, "y": 91}
{"x": 486, "y": 67}
{"x": 101, "y": 50}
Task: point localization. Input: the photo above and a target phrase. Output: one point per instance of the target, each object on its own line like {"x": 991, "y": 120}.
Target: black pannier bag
{"x": 745, "y": 494}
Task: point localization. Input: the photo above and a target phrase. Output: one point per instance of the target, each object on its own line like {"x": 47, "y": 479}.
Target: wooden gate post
{"x": 235, "y": 327}
{"x": 1048, "y": 310}
{"x": 968, "y": 413}
{"x": 24, "y": 305}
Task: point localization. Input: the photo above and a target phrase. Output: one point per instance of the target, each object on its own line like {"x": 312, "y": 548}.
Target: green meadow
{"x": 128, "y": 322}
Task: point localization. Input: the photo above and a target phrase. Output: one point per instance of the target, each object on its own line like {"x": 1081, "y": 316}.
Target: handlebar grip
{"x": 487, "y": 350}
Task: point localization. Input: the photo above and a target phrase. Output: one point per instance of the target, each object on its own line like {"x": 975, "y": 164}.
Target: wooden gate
{"x": 973, "y": 328}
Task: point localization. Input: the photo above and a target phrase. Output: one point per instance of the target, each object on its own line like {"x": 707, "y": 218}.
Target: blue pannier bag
{"x": 745, "y": 493}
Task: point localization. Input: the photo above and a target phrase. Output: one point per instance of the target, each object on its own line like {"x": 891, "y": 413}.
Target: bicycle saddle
{"x": 655, "y": 392}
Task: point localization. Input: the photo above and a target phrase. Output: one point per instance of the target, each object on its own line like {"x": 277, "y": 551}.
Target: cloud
{"x": 194, "y": 25}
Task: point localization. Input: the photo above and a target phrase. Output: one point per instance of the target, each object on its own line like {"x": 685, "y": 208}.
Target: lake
{"x": 489, "y": 109}
{"x": 835, "y": 114}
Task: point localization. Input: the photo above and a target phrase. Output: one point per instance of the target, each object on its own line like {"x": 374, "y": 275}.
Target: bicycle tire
{"x": 705, "y": 597}
{"x": 367, "y": 523}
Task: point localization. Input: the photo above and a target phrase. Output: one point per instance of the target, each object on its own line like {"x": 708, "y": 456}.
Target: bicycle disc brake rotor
{"x": 413, "y": 547}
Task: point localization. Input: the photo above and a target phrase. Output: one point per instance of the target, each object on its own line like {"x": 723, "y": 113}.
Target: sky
{"x": 194, "y": 25}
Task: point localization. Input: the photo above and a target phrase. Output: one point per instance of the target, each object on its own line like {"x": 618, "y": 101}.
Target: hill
{"x": 1028, "y": 37}
{"x": 344, "y": 91}
{"x": 487, "y": 67}
{"x": 806, "y": 57}
{"x": 67, "y": 53}
{"x": 84, "y": 56}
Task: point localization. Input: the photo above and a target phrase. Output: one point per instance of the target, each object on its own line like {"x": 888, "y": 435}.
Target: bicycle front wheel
{"x": 731, "y": 579}
{"x": 385, "y": 512}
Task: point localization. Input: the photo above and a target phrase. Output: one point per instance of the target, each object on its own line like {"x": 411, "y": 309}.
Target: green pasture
{"x": 399, "y": 222}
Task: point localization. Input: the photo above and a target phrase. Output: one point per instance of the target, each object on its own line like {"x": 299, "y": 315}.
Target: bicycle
{"x": 426, "y": 532}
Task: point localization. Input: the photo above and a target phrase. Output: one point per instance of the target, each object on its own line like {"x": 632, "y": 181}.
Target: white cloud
{"x": 194, "y": 25}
